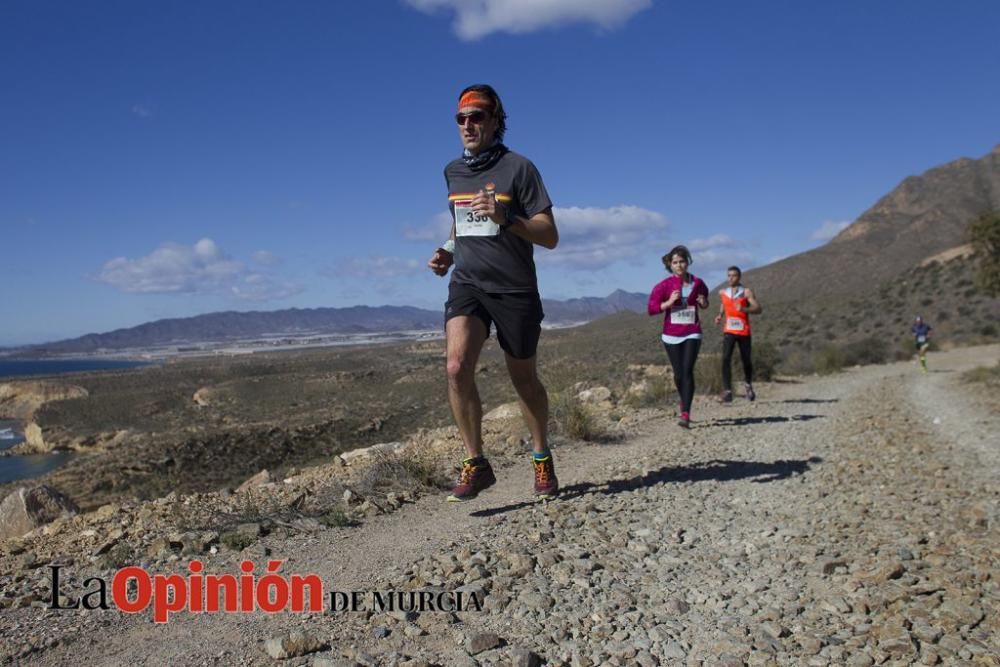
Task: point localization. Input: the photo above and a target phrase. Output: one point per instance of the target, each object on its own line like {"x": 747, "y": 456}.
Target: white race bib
{"x": 473, "y": 223}
{"x": 734, "y": 323}
{"x": 921, "y": 339}
{"x": 683, "y": 315}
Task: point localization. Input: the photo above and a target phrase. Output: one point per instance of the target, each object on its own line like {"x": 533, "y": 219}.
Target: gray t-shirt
{"x": 490, "y": 258}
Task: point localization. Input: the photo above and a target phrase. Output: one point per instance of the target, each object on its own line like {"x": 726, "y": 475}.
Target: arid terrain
{"x": 849, "y": 519}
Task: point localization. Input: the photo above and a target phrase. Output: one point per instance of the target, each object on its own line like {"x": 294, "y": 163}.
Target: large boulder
{"x": 260, "y": 479}
{"x": 28, "y": 508}
{"x": 381, "y": 449}
{"x": 203, "y": 397}
{"x": 506, "y": 411}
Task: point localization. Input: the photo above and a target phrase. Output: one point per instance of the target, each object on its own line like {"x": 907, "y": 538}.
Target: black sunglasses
{"x": 476, "y": 117}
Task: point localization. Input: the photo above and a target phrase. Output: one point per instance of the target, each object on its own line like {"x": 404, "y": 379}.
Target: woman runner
{"x": 679, "y": 297}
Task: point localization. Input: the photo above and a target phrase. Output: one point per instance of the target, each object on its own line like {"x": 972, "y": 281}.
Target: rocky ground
{"x": 846, "y": 520}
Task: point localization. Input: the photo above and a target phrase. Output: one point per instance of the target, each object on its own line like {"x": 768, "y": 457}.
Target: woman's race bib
{"x": 683, "y": 315}
{"x": 473, "y": 223}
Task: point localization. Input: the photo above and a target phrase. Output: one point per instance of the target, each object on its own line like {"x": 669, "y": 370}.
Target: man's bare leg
{"x": 533, "y": 399}
{"x": 465, "y": 336}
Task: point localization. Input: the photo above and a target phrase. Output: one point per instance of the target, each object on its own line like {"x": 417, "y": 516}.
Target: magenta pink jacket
{"x": 662, "y": 291}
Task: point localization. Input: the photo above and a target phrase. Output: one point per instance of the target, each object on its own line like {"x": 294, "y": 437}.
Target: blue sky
{"x": 164, "y": 159}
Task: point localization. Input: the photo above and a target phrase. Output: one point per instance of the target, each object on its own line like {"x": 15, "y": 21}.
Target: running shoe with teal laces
{"x": 475, "y": 477}
{"x": 546, "y": 483}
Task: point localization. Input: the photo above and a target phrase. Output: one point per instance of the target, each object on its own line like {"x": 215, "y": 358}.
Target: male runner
{"x": 737, "y": 302}
{"x": 500, "y": 209}
{"x": 921, "y": 340}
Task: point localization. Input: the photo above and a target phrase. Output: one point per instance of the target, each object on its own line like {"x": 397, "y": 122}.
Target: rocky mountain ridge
{"x": 924, "y": 215}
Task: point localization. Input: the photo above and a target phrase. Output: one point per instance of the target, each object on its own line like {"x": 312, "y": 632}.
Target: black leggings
{"x": 682, "y": 357}
{"x": 727, "y": 359}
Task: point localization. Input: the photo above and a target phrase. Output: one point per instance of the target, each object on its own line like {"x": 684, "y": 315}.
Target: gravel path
{"x": 846, "y": 520}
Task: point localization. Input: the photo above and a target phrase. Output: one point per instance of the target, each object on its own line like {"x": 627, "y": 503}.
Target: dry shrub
{"x": 659, "y": 390}
{"x": 990, "y": 376}
{"x": 708, "y": 374}
{"x": 410, "y": 470}
{"x": 870, "y": 350}
{"x": 571, "y": 418}
{"x": 829, "y": 359}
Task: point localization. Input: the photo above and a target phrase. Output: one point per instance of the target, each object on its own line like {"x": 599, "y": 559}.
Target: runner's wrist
{"x": 508, "y": 219}
{"x": 449, "y": 246}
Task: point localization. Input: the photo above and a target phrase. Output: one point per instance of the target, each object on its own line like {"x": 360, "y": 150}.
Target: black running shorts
{"x": 517, "y": 315}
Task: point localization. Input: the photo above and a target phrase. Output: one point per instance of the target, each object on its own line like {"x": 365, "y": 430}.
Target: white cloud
{"x": 437, "y": 231}
{"x": 478, "y": 18}
{"x": 142, "y": 110}
{"x": 829, "y": 229}
{"x": 266, "y": 257}
{"x": 593, "y": 238}
{"x": 721, "y": 259}
{"x": 199, "y": 269}
{"x": 377, "y": 267}
{"x": 260, "y": 287}
{"x": 720, "y": 251}
{"x": 589, "y": 237}
{"x": 714, "y": 241}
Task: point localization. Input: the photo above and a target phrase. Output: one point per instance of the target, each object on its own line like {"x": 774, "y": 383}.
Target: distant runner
{"x": 737, "y": 304}
{"x": 679, "y": 297}
{"x": 921, "y": 340}
{"x": 499, "y": 209}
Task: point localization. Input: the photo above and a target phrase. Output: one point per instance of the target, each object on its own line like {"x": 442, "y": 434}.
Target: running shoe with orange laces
{"x": 546, "y": 483}
{"x": 475, "y": 477}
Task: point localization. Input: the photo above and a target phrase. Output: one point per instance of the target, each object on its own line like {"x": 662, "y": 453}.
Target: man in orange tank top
{"x": 737, "y": 302}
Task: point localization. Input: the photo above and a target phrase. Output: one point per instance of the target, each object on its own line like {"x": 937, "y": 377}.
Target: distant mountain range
{"x": 231, "y": 325}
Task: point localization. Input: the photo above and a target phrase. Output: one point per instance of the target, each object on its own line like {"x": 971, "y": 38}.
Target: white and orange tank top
{"x": 737, "y": 322}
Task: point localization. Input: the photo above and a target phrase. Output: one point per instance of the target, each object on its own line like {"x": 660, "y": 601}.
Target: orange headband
{"x": 476, "y": 99}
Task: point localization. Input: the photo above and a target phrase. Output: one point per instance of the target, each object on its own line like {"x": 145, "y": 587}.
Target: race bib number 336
{"x": 473, "y": 223}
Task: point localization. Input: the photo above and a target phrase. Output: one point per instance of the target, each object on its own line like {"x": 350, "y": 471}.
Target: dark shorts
{"x": 517, "y": 316}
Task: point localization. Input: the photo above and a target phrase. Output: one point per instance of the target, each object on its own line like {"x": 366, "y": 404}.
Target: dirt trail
{"x": 757, "y": 537}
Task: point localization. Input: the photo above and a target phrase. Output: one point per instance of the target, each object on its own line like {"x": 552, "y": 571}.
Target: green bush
{"x": 336, "y": 518}
{"x": 237, "y": 540}
{"x": 988, "y": 330}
